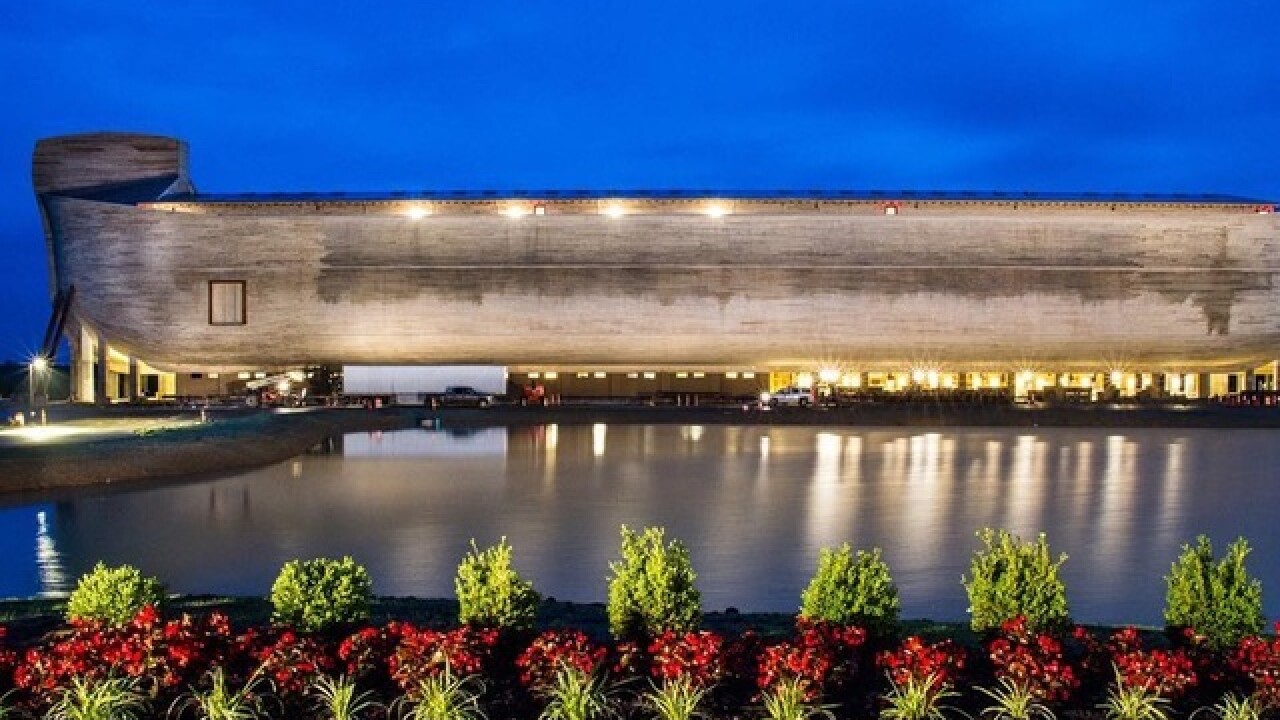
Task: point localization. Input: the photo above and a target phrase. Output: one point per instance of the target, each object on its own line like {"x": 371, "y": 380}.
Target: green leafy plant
{"x": 1009, "y": 578}
{"x": 1014, "y": 701}
{"x": 1232, "y": 707}
{"x": 852, "y": 589}
{"x": 113, "y": 595}
{"x": 1133, "y": 702}
{"x": 6, "y": 709}
{"x": 491, "y": 593}
{"x": 577, "y": 695}
{"x": 675, "y": 699}
{"x": 112, "y": 698}
{"x": 340, "y": 699}
{"x": 221, "y": 701}
{"x": 1218, "y": 599}
{"x": 651, "y": 589}
{"x": 788, "y": 699}
{"x": 319, "y": 594}
{"x": 444, "y": 696}
{"x": 918, "y": 698}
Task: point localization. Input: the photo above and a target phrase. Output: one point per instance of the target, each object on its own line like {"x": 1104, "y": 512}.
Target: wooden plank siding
{"x": 982, "y": 285}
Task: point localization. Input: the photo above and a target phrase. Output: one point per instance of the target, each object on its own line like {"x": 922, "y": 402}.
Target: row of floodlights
{"x": 647, "y": 375}
{"x": 516, "y": 211}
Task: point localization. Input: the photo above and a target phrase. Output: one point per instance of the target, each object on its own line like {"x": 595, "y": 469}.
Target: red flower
{"x": 695, "y": 656}
{"x": 1032, "y": 660}
{"x": 554, "y": 649}
{"x": 915, "y": 660}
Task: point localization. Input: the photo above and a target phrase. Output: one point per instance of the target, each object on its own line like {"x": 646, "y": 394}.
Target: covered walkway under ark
{"x": 101, "y": 373}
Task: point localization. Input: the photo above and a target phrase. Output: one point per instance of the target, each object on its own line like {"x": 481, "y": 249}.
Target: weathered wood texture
{"x": 1180, "y": 289}
{"x": 75, "y": 162}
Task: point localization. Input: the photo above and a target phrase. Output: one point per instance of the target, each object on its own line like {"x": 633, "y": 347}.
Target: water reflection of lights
{"x": 598, "y": 432}
{"x": 823, "y": 521}
{"x": 764, "y": 446}
{"x": 692, "y": 433}
{"x": 921, "y": 495}
{"x": 49, "y": 567}
{"x": 1118, "y": 479}
{"x": 1169, "y": 499}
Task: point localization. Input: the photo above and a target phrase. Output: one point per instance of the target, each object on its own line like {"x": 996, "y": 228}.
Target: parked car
{"x": 464, "y": 396}
{"x": 791, "y": 396}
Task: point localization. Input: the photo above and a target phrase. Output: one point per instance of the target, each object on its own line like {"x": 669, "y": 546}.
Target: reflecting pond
{"x": 754, "y": 504}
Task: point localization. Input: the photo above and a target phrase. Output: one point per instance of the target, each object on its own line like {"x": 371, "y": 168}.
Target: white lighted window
{"x": 534, "y": 375}
{"x": 633, "y": 376}
{"x": 583, "y": 375}
{"x": 731, "y": 375}
{"x": 243, "y": 376}
{"x": 650, "y": 375}
{"x": 551, "y": 375}
{"x": 226, "y": 302}
{"x": 748, "y": 375}
{"x": 699, "y": 374}
{"x": 599, "y": 375}
{"x": 682, "y": 375}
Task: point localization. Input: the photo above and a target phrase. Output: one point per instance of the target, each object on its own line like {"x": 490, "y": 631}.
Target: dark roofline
{"x": 679, "y": 194}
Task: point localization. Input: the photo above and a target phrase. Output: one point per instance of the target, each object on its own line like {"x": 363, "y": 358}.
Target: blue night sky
{"x": 1049, "y": 96}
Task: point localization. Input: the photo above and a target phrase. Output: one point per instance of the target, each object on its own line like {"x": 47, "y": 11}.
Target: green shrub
{"x": 652, "y": 589}
{"x": 1010, "y": 577}
{"x": 313, "y": 595}
{"x": 491, "y": 593}
{"x": 1218, "y": 599}
{"x": 852, "y": 589}
{"x": 113, "y": 595}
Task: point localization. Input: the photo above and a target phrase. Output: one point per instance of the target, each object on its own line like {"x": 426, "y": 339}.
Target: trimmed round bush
{"x": 1009, "y": 577}
{"x": 113, "y": 595}
{"x": 851, "y": 588}
{"x": 491, "y": 593}
{"x": 651, "y": 589}
{"x": 1218, "y": 599}
{"x": 315, "y": 595}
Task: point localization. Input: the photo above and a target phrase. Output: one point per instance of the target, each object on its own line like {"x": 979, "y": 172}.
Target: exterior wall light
{"x": 417, "y": 212}
{"x": 540, "y": 209}
{"x": 715, "y": 210}
{"x": 828, "y": 375}
{"x": 614, "y": 210}
{"x": 515, "y": 211}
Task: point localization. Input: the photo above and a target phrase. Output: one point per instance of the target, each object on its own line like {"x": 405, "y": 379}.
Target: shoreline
{"x": 242, "y": 440}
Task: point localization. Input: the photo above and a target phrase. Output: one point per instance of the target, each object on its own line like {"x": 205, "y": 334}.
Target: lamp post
{"x": 37, "y": 367}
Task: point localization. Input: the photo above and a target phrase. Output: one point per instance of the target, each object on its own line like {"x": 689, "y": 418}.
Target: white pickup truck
{"x": 788, "y": 396}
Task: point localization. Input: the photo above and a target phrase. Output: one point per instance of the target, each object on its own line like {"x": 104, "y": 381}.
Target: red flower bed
{"x": 1170, "y": 673}
{"x": 696, "y": 656}
{"x": 1258, "y": 660}
{"x": 817, "y": 653}
{"x": 161, "y": 655}
{"x": 291, "y": 661}
{"x": 422, "y": 653}
{"x": 554, "y": 649}
{"x": 169, "y": 657}
{"x": 1032, "y": 660}
{"x": 916, "y": 660}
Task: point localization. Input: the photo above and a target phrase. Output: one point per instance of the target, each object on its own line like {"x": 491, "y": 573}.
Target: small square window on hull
{"x": 227, "y": 302}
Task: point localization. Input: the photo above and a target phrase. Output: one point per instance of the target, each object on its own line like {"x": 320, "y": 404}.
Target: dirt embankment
{"x": 226, "y": 444}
